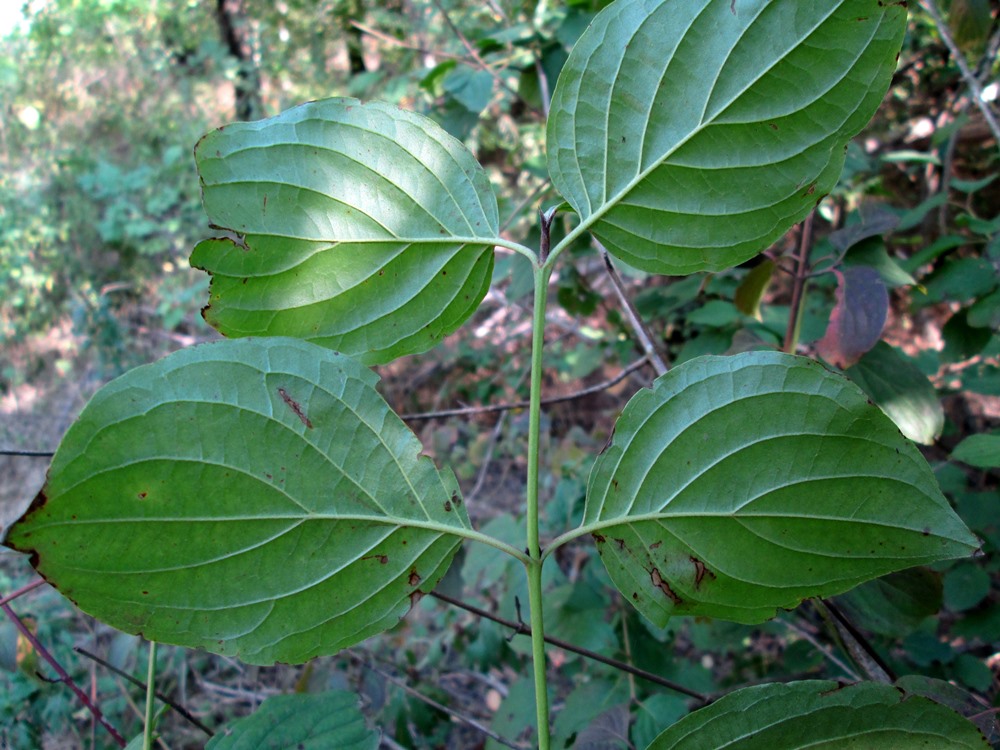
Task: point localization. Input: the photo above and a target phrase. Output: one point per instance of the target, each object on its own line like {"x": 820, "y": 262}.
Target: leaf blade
{"x": 747, "y": 113}
{"x": 740, "y": 485}
{"x": 249, "y": 497}
{"x": 365, "y": 228}
{"x": 820, "y": 713}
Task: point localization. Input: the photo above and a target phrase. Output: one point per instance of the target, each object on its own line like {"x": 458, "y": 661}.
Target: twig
{"x": 488, "y": 459}
{"x": 825, "y": 650}
{"x": 387, "y": 741}
{"x": 490, "y": 408}
{"x": 401, "y": 43}
{"x": 638, "y": 327}
{"x": 970, "y": 79}
{"x": 474, "y": 53}
{"x": 63, "y": 676}
{"x": 39, "y": 454}
{"x": 528, "y": 200}
{"x": 520, "y": 628}
{"x": 799, "y": 285}
{"x": 22, "y": 591}
{"x": 140, "y": 684}
{"x": 442, "y": 708}
{"x": 854, "y": 643}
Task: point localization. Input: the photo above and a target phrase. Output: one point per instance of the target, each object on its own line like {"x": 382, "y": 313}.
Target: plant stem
{"x": 799, "y": 286}
{"x": 534, "y": 564}
{"x": 147, "y": 735}
{"x": 63, "y": 675}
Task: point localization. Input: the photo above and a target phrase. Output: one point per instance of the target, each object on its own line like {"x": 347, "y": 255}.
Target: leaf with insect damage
{"x": 256, "y": 498}
{"x": 821, "y": 713}
{"x": 362, "y": 227}
{"x": 740, "y": 485}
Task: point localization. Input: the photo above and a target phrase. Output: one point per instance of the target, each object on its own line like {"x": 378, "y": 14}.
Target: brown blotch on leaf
{"x": 414, "y": 577}
{"x": 383, "y": 559}
{"x": 700, "y": 571}
{"x": 143, "y": 495}
{"x": 620, "y": 543}
{"x": 662, "y": 585}
{"x": 599, "y": 538}
{"x": 294, "y": 406}
{"x": 654, "y": 545}
{"x": 447, "y": 506}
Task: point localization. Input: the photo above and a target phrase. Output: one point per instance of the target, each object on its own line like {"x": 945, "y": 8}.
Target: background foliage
{"x": 102, "y": 102}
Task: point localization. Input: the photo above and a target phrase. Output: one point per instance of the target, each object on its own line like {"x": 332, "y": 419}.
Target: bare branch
{"x": 490, "y": 408}
{"x": 638, "y": 327}
{"x": 63, "y": 675}
{"x": 140, "y": 684}
{"x": 970, "y": 79}
{"x": 520, "y": 628}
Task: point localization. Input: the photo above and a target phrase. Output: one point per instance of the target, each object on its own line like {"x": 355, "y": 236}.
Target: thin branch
{"x": 474, "y": 53}
{"x": 63, "y": 676}
{"x": 799, "y": 285}
{"x": 38, "y": 454}
{"x": 488, "y": 459}
{"x": 825, "y": 650}
{"x": 638, "y": 327}
{"x": 854, "y": 643}
{"x": 528, "y": 200}
{"x": 440, "y": 707}
{"x": 375, "y": 33}
{"x": 970, "y": 79}
{"x": 22, "y": 591}
{"x": 490, "y": 408}
{"x": 140, "y": 684}
{"x": 520, "y": 628}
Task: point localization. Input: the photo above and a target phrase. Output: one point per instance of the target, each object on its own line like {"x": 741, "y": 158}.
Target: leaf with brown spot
{"x": 740, "y": 485}
{"x": 162, "y": 485}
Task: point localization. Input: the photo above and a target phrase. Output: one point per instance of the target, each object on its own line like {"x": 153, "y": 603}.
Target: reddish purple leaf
{"x": 857, "y": 319}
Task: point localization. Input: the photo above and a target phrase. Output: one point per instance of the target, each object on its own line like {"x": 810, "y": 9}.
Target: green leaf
{"x": 255, "y": 498}
{"x": 365, "y": 228}
{"x": 858, "y": 317}
{"x": 955, "y": 698}
{"x": 896, "y": 604}
{"x": 965, "y": 586}
{"x": 751, "y": 290}
{"x": 742, "y": 484}
{"x": 902, "y": 391}
{"x": 821, "y": 714}
{"x": 473, "y": 89}
{"x": 690, "y": 135}
{"x": 300, "y": 722}
{"x": 981, "y": 451}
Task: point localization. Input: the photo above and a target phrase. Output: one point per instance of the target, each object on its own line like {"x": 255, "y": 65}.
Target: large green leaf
{"x": 365, "y": 228}
{"x": 902, "y": 390}
{"x": 300, "y": 722}
{"x": 254, "y": 497}
{"x": 742, "y": 484}
{"x": 822, "y": 714}
{"x": 689, "y": 134}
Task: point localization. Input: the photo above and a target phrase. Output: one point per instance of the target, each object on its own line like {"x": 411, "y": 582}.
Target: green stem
{"x": 147, "y": 736}
{"x": 534, "y": 565}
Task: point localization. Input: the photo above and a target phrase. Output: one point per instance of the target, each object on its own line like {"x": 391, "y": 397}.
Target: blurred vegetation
{"x": 102, "y": 102}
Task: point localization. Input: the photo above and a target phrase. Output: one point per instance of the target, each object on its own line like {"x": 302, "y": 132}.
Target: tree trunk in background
{"x": 346, "y": 12}
{"x": 237, "y": 36}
